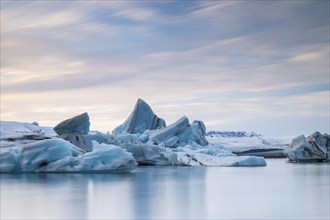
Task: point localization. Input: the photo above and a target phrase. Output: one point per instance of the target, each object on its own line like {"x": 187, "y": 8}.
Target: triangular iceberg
{"x": 142, "y": 118}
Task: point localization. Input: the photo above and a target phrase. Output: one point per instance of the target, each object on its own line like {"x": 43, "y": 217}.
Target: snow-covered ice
{"x": 249, "y": 143}
{"x": 238, "y": 141}
{"x": 197, "y": 159}
{"x": 15, "y": 129}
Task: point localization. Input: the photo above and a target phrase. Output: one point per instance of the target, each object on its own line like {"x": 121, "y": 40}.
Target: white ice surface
{"x": 242, "y": 141}
{"x": 199, "y": 159}
{"x": 14, "y": 129}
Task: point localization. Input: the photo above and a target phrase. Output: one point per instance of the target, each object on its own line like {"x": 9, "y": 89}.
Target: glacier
{"x": 143, "y": 139}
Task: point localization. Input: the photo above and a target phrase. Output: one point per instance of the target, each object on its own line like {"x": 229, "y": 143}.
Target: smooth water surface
{"x": 280, "y": 190}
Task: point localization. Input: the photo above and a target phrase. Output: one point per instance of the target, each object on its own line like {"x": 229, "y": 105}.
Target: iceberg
{"x": 314, "y": 148}
{"x": 58, "y": 155}
{"x": 146, "y": 154}
{"x": 199, "y": 159}
{"x": 196, "y": 132}
{"x": 161, "y": 135}
{"x": 74, "y": 129}
{"x": 40, "y": 155}
{"x": 28, "y": 147}
{"x": 180, "y": 133}
{"x": 142, "y": 139}
{"x": 141, "y": 119}
{"x": 78, "y": 124}
{"x": 170, "y": 145}
{"x": 105, "y": 158}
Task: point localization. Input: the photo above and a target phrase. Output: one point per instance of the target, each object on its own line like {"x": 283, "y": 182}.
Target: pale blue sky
{"x": 258, "y": 66}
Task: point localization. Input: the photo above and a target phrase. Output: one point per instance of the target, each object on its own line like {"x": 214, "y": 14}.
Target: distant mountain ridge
{"x": 239, "y": 141}
{"x": 232, "y": 134}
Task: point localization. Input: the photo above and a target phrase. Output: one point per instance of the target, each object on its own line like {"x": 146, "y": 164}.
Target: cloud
{"x": 225, "y": 62}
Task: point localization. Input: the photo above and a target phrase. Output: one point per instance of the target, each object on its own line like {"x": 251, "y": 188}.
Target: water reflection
{"x": 173, "y": 193}
{"x": 39, "y": 196}
{"x": 278, "y": 191}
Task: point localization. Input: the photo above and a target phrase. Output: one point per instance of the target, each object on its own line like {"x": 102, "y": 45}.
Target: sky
{"x": 248, "y": 65}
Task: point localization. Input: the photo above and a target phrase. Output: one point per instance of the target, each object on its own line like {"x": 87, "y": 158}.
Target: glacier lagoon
{"x": 280, "y": 190}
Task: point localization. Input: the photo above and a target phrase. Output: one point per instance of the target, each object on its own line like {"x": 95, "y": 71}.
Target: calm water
{"x": 278, "y": 191}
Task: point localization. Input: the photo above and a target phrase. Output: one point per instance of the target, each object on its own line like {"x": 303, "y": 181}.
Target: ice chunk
{"x": 58, "y": 155}
{"x": 127, "y": 138}
{"x": 147, "y": 154}
{"x": 195, "y": 132}
{"x": 141, "y": 119}
{"x": 161, "y": 135}
{"x": 38, "y": 155}
{"x": 78, "y": 140}
{"x": 144, "y": 137}
{"x": 216, "y": 150}
{"x": 33, "y": 155}
{"x": 315, "y": 147}
{"x": 76, "y": 131}
{"x": 171, "y": 142}
{"x": 98, "y": 137}
{"x": 9, "y": 158}
{"x": 180, "y": 133}
{"x": 78, "y": 124}
{"x": 199, "y": 159}
{"x": 106, "y": 157}
{"x": 85, "y": 141}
